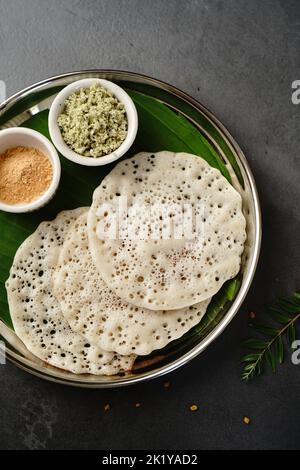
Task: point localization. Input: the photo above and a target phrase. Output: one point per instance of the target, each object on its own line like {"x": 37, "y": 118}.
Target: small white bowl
{"x": 20, "y": 136}
{"x": 57, "y": 107}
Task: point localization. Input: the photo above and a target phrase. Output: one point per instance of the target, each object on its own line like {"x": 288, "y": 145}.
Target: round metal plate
{"x": 39, "y": 96}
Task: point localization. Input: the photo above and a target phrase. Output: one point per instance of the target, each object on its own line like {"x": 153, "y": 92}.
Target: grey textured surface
{"x": 239, "y": 58}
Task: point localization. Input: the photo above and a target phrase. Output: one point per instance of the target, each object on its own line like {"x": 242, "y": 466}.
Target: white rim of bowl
{"x": 57, "y": 106}
{"x": 55, "y": 161}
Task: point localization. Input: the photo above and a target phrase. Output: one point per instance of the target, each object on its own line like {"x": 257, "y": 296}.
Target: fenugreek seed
{"x": 246, "y": 420}
{"x": 193, "y": 408}
{"x": 107, "y": 407}
{"x": 138, "y": 404}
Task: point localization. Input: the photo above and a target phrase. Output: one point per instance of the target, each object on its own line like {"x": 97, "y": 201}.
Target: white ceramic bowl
{"x": 20, "y": 136}
{"x": 57, "y": 107}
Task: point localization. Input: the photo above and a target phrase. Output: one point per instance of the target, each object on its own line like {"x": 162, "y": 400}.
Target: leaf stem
{"x": 260, "y": 356}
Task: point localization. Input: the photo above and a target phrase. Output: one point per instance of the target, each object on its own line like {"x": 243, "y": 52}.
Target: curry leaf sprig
{"x": 269, "y": 347}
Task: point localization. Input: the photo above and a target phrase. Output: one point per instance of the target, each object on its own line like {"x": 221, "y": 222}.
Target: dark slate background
{"x": 239, "y": 58}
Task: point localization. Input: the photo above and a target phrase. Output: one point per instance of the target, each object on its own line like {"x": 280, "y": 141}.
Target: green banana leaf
{"x": 163, "y": 129}
{"x": 186, "y": 108}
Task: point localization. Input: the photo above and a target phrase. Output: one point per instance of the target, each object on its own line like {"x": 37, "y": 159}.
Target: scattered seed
{"x": 252, "y": 315}
{"x": 138, "y": 404}
{"x": 167, "y": 384}
{"x": 246, "y": 420}
{"x": 193, "y": 408}
{"x": 107, "y": 407}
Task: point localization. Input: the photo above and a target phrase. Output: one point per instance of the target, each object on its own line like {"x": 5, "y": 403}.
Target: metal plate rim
{"x": 79, "y": 381}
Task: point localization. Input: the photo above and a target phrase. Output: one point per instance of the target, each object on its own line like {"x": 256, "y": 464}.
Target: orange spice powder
{"x": 25, "y": 174}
